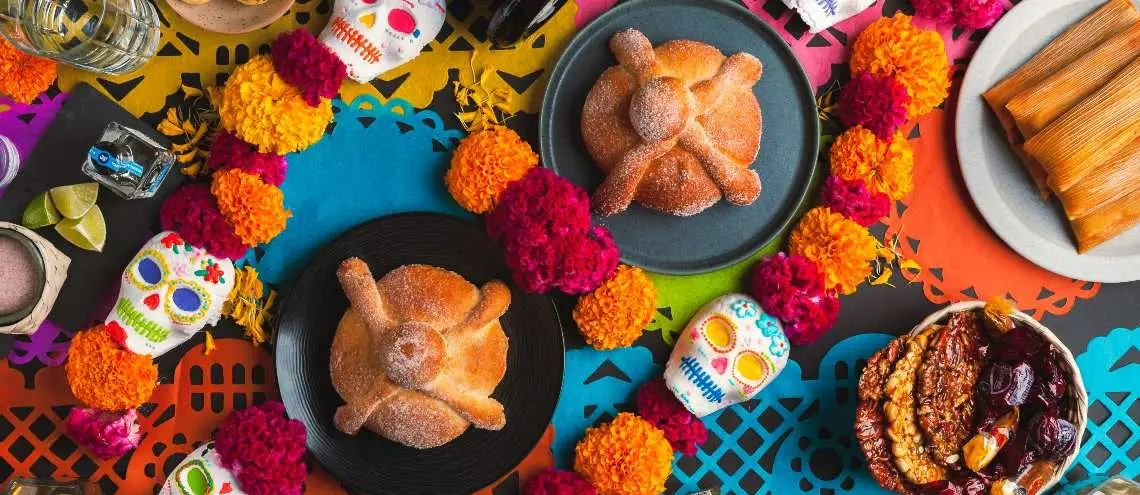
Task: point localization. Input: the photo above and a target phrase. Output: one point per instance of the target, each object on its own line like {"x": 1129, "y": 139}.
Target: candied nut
{"x": 946, "y": 380}
{"x": 869, "y": 418}
{"x": 907, "y": 444}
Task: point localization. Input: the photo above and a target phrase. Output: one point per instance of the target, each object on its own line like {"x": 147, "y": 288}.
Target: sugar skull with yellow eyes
{"x": 169, "y": 291}
{"x": 729, "y": 351}
{"x": 374, "y": 36}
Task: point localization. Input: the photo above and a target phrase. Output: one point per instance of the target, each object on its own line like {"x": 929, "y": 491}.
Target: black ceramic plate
{"x": 723, "y": 234}
{"x": 366, "y": 462}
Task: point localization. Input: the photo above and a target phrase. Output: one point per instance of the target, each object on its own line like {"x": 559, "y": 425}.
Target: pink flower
{"x": 854, "y": 201}
{"x": 263, "y": 449}
{"x": 877, "y": 103}
{"x": 977, "y": 14}
{"x": 558, "y": 482}
{"x": 107, "y": 435}
{"x": 935, "y": 10}
{"x": 790, "y": 288}
{"x": 658, "y": 405}
{"x": 304, "y": 62}
{"x": 228, "y": 151}
{"x": 192, "y": 212}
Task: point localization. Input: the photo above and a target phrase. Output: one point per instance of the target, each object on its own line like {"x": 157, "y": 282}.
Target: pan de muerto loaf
{"x": 674, "y": 127}
{"x": 418, "y": 354}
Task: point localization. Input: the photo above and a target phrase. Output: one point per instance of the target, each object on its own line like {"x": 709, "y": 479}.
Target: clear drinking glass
{"x": 127, "y": 162}
{"x": 108, "y": 36}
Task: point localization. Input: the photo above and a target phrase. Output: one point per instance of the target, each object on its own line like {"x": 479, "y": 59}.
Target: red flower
{"x": 879, "y": 104}
{"x": 558, "y": 482}
{"x": 193, "y": 212}
{"x": 264, "y": 449}
{"x": 853, "y": 200}
{"x": 304, "y": 62}
{"x": 657, "y": 405}
{"x": 172, "y": 239}
{"x": 790, "y": 288}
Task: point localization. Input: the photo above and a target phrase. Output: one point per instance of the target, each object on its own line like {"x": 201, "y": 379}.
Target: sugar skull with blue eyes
{"x": 170, "y": 290}
{"x": 374, "y": 36}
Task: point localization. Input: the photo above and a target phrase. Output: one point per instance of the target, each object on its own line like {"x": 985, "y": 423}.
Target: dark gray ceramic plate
{"x": 723, "y": 234}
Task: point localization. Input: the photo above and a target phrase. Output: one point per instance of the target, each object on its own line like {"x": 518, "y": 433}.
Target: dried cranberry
{"x": 1006, "y": 385}
{"x": 1050, "y": 383}
{"x": 986, "y": 415}
{"x": 1018, "y": 344}
{"x": 1052, "y": 437}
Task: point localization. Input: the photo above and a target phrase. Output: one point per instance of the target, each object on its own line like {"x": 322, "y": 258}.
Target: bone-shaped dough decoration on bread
{"x": 418, "y": 354}
{"x": 675, "y": 127}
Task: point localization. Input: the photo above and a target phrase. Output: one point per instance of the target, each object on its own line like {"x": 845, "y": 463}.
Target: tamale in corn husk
{"x": 1038, "y": 106}
{"x": 1105, "y": 183}
{"x": 1093, "y": 132}
{"x": 1111, "y": 18}
{"x": 1107, "y": 222}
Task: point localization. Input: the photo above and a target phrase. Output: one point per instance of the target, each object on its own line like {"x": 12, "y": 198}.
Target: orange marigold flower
{"x": 106, "y": 377}
{"x": 839, "y": 247}
{"x": 256, "y": 210}
{"x": 627, "y": 456}
{"x": 914, "y": 57}
{"x": 22, "y": 76}
{"x": 484, "y": 164}
{"x": 884, "y": 167}
{"x": 262, "y": 109}
{"x": 617, "y": 312}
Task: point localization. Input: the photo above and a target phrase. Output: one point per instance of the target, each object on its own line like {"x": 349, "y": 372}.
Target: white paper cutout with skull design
{"x": 201, "y": 473}
{"x": 169, "y": 291}
{"x": 728, "y": 352}
{"x": 372, "y": 37}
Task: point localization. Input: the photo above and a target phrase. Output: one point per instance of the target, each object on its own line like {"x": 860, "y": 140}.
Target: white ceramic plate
{"x": 996, "y": 179}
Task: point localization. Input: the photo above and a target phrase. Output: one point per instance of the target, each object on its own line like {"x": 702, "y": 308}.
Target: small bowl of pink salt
{"x": 23, "y": 276}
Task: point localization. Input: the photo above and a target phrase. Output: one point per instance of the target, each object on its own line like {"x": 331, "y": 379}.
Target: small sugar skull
{"x": 201, "y": 473}
{"x": 374, "y": 36}
{"x": 728, "y": 352}
{"x": 169, "y": 291}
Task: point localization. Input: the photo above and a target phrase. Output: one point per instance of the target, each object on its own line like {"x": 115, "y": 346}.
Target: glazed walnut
{"x": 946, "y": 381}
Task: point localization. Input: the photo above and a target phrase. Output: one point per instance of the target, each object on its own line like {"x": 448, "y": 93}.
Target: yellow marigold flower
{"x": 484, "y": 164}
{"x": 22, "y": 76}
{"x": 883, "y": 167}
{"x": 103, "y": 376}
{"x": 914, "y": 57}
{"x": 262, "y": 109}
{"x": 256, "y": 210}
{"x": 627, "y": 456}
{"x": 839, "y": 247}
{"x": 617, "y": 312}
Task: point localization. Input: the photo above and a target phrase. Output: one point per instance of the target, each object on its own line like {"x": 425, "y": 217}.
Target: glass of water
{"x": 108, "y": 36}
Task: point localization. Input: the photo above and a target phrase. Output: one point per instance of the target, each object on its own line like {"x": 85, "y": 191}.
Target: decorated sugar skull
{"x": 201, "y": 473}
{"x": 169, "y": 291}
{"x": 374, "y": 36}
{"x": 729, "y": 351}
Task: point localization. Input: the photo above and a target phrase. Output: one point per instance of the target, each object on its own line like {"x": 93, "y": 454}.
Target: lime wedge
{"x": 74, "y": 201}
{"x": 41, "y": 212}
{"x": 88, "y": 232}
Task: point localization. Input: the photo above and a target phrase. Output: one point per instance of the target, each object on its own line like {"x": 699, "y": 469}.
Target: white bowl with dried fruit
{"x": 977, "y": 398}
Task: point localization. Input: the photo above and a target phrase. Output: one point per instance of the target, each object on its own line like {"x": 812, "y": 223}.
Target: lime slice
{"x": 89, "y": 232}
{"x": 74, "y": 201}
{"x": 41, "y": 212}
